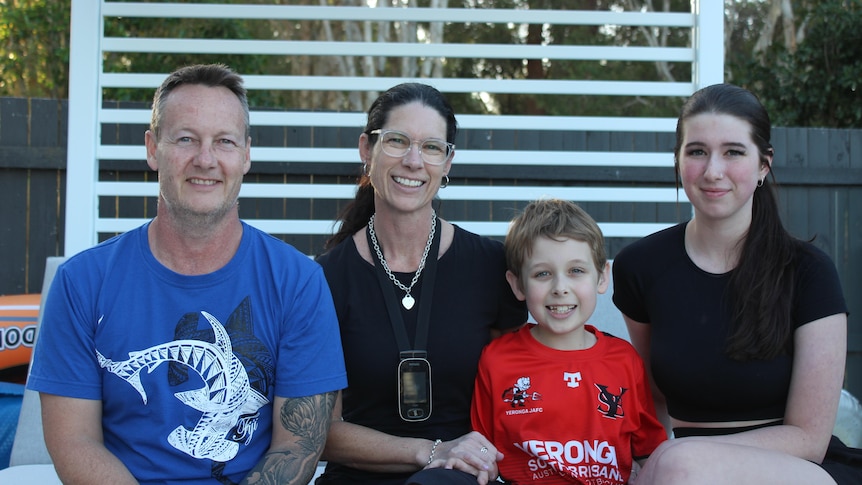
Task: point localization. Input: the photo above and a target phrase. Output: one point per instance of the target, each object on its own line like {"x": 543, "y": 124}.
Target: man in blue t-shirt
{"x": 194, "y": 348}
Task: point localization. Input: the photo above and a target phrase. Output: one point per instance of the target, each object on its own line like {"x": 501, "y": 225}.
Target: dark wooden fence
{"x": 819, "y": 170}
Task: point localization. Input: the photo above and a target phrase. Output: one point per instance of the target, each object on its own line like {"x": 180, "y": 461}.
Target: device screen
{"x": 414, "y": 389}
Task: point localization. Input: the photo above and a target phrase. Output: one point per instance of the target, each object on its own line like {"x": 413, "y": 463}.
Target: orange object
{"x": 18, "y": 315}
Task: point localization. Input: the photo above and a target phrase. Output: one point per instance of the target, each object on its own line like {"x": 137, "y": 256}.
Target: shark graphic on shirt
{"x": 228, "y": 403}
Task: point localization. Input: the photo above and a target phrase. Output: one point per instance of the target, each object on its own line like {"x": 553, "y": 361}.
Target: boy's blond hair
{"x": 554, "y": 219}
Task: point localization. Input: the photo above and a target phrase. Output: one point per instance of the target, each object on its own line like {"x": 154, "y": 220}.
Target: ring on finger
{"x": 483, "y": 449}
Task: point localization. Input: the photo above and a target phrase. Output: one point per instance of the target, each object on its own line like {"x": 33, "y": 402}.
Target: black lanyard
{"x": 388, "y": 288}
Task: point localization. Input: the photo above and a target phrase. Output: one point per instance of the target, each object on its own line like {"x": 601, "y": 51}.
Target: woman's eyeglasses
{"x": 397, "y": 144}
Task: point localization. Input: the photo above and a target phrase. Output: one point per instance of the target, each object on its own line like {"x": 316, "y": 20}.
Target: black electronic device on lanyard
{"x": 414, "y": 386}
{"x": 414, "y": 368}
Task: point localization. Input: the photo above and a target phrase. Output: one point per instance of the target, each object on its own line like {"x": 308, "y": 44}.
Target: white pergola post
{"x": 85, "y": 100}
{"x": 708, "y": 43}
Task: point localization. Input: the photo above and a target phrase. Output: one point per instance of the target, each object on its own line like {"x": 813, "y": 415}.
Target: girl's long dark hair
{"x": 761, "y": 287}
{"x": 356, "y": 214}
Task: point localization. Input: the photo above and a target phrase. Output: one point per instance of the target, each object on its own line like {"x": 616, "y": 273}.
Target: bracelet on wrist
{"x": 433, "y": 449}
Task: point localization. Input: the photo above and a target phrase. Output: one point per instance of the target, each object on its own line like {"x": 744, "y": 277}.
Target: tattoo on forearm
{"x": 308, "y": 418}
{"x": 276, "y": 468}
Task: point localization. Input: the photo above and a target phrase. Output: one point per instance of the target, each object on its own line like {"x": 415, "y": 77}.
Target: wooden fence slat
{"x": 14, "y": 229}
{"x": 13, "y": 122}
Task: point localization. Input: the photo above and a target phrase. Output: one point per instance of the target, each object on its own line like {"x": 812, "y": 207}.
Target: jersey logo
{"x": 610, "y": 404}
{"x": 573, "y": 379}
{"x": 519, "y": 394}
{"x": 229, "y": 403}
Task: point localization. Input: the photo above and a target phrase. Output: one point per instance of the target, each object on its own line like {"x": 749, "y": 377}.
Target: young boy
{"x": 563, "y": 402}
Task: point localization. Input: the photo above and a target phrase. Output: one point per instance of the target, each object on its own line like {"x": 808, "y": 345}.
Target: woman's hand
{"x": 471, "y": 453}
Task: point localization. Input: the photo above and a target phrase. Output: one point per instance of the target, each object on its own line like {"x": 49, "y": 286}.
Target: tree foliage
{"x": 812, "y": 82}
{"x": 34, "y": 48}
{"x": 802, "y": 57}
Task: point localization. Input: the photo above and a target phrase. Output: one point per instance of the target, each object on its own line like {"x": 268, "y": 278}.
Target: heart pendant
{"x": 408, "y": 301}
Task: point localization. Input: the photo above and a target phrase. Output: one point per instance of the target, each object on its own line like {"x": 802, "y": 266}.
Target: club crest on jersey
{"x": 519, "y": 394}
{"x": 610, "y": 404}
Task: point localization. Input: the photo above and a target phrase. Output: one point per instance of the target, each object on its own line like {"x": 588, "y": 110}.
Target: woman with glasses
{"x": 417, "y": 299}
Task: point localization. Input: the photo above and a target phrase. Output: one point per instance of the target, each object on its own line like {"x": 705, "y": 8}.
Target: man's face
{"x": 201, "y": 153}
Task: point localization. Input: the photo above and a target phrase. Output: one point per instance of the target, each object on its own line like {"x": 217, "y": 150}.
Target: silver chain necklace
{"x": 408, "y": 301}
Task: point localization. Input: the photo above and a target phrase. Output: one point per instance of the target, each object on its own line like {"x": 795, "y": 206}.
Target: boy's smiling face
{"x": 560, "y": 283}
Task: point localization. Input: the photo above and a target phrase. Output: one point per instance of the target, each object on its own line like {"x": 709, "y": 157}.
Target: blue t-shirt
{"x": 187, "y": 367}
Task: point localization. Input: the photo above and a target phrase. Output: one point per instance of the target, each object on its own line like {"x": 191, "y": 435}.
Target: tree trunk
{"x": 789, "y": 28}
{"x": 766, "y": 35}
{"x": 655, "y": 37}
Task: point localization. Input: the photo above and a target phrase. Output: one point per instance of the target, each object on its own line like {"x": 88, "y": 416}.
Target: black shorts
{"x": 441, "y": 476}
{"x": 340, "y": 475}
{"x": 842, "y": 463}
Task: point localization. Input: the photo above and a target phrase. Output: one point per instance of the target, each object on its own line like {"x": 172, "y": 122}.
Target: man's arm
{"x": 73, "y": 435}
{"x": 299, "y": 429}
